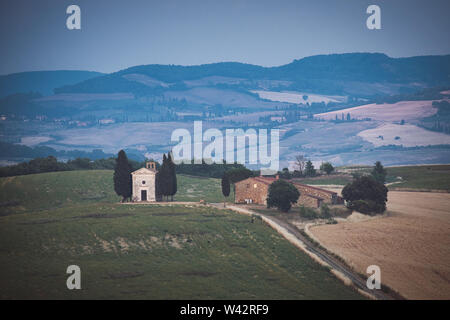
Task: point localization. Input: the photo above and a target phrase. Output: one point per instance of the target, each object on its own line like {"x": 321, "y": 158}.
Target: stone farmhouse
{"x": 255, "y": 190}
{"x": 144, "y": 183}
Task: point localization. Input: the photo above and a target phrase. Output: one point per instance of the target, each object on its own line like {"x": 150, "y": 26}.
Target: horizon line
{"x": 212, "y": 63}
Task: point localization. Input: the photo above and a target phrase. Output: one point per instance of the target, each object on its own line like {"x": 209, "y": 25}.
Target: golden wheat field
{"x": 411, "y": 244}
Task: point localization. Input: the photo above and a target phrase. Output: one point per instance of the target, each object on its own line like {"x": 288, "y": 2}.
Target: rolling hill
{"x": 138, "y": 108}
{"x": 43, "y": 82}
{"x": 327, "y": 74}
{"x": 144, "y": 251}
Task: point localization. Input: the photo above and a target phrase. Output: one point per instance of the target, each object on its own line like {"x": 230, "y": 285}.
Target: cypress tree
{"x": 122, "y": 176}
{"x": 163, "y": 177}
{"x": 172, "y": 176}
{"x": 309, "y": 169}
{"x": 379, "y": 172}
{"x": 167, "y": 179}
{"x": 158, "y": 187}
{"x": 225, "y": 187}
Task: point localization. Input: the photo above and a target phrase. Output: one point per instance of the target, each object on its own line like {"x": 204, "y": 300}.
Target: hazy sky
{"x": 118, "y": 34}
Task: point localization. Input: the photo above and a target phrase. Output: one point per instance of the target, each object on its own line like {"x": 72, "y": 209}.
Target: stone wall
{"x": 308, "y": 201}
{"x": 251, "y": 189}
{"x": 138, "y": 186}
{"x": 328, "y": 197}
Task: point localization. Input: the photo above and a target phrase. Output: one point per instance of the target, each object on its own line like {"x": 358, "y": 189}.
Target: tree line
{"x": 213, "y": 170}
{"x": 51, "y": 164}
{"x": 41, "y": 164}
{"x": 304, "y": 168}
{"x": 12, "y": 150}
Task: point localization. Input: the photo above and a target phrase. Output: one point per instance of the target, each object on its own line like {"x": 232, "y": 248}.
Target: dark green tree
{"x": 122, "y": 176}
{"x": 214, "y": 170}
{"x": 172, "y": 189}
{"x": 282, "y": 195}
{"x": 164, "y": 178}
{"x": 379, "y": 172}
{"x": 365, "y": 195}
{"x": 158, "y": 186}
{"x": 46, "y": 164}
{"x": 81, "y": 163}
{"x": 309, "y": 169}
{"x": 285, "y": 174}
{"x": 225, "y": 187}
{"x": 327, "y": 167}
{"x": 239, "y": 174}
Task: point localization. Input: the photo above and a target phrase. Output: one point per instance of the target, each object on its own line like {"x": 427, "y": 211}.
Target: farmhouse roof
{"x": 314, "y": 188}
{"x": 269, "y": 180}
{"x": 143, "y": 171}
{"x": 265, "y": 180}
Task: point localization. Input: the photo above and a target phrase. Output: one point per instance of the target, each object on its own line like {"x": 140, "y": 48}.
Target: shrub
{"x": 325, "y": 211}
{"x": 308, "y": 213}
{"x": 366, "y": 195}
{"x": 340, "y": 211}
{"x": 362, "y": 206}
{"x": 368, "y": 206}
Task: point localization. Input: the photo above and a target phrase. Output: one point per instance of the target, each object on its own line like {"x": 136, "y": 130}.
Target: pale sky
{"x": 119, "y": 34}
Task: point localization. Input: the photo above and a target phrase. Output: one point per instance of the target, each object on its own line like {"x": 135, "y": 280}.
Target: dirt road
{"x": 292, "y": 234}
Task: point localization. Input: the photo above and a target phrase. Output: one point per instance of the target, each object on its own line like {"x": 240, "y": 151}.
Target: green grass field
{"x": 36, "y": 192}
{"x": 423, "y": 177}
{"x": 50, "y": 221}
{"x": 435, "y": 177}
{"x": 198, "y": 188}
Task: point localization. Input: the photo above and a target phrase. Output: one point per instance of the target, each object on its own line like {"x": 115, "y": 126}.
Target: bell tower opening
{"x": 151, "y": 165}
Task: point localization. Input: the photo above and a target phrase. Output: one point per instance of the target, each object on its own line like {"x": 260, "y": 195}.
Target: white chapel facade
{"x": 144, "y": 183}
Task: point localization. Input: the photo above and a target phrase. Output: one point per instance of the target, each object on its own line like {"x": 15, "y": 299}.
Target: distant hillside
{"x": 154, "y": 79}
{"x": 369, "y": 67}
{"x": 362, "y": 74}
{"x": 41, "y": 81}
